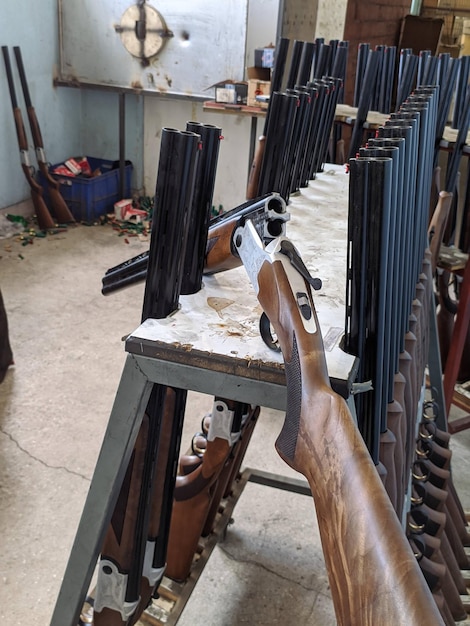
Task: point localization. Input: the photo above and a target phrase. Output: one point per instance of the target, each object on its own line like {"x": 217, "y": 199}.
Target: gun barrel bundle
{"x": 385, "y": 280}
{"x": 203, "y": 193}
{"x": 134, "y": 550}
{"x": 295, "y": 142}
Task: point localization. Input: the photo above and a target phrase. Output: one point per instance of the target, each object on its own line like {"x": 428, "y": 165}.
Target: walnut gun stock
{"x": 373, "y": 573}
{"x": 194, "y": 492}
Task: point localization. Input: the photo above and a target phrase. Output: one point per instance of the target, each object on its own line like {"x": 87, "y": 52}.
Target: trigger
{"x": 266, "y": 334}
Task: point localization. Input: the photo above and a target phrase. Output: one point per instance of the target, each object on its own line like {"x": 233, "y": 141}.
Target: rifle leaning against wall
{"x": 320, "y": 439}
{"x": 45, "y": 220}
{"x": 59, "y": 208}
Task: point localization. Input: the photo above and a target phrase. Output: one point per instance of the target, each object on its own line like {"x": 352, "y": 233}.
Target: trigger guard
{"x": 266, "y": 335}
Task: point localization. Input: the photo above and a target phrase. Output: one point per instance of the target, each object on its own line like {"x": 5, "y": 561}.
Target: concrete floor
{"x": 54, "y": 407}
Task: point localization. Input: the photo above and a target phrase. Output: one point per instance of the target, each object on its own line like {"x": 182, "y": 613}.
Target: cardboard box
{"x": 259, "y": 85}
{"x": 264, "y": 57}
{"x": 231, "y": 91}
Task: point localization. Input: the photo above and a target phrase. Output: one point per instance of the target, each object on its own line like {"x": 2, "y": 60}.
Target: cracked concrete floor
{"x": 54, "y": 407}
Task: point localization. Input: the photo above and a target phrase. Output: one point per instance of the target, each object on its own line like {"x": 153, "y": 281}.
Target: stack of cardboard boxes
{"x": 254, "y": 91}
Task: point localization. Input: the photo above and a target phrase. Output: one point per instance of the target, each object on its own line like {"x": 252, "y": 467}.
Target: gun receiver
{"x": 268, "y": 215}
{"x": 320, "y": 439}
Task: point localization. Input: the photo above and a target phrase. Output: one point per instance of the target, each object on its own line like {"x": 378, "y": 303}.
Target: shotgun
{"x": 133, "y": 555}
{"x": 319, "y": 439}
{"x": 59, "y": 208}
{"x": 44, "y": 218}
{"x": 268, "y": 212}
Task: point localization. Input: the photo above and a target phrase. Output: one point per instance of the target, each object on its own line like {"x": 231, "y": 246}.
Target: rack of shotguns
{"x": 168, "y": 502}
{"x": 389, "y": 303}
{"x": 162, "y": 511}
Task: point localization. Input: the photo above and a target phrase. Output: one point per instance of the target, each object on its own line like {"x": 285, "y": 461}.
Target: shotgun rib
{"x": 373, "y": 573}
{"x": 59, "y": 207}
{"x": 44, "y": 218}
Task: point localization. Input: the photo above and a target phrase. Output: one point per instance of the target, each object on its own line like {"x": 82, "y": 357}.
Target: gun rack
{"x": 202, "y": 348}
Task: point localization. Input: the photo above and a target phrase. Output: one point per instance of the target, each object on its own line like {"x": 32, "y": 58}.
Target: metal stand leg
{"x": 124, "y": 423}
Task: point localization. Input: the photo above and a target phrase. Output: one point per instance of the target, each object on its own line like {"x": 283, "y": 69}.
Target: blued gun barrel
{"x": 461, "y": 90}
{"x": 293, "y": 152}
{"x": 282, "y": 48}
{"x": 365, "y": 99}
{"x": 278, "y": 139}
{"x": 130, "y": 548}
{"x": 306, "y": 61}
{"x": 200, "y": 214}
{"x": 294, "y": 67}
{"x": 170, "y": 222}
{"x": 362, "y": 56}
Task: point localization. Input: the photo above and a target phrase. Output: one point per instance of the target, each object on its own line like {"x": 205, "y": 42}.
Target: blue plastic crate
{"x": 89, "y": 198}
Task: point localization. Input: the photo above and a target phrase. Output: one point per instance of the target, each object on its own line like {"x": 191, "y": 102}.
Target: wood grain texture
{"x": 373, "y": 573}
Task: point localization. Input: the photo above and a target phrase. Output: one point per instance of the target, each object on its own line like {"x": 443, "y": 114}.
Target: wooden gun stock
{"x": 360, "y": 532}
{"x": 253, "y": 179}
{"x": 119, "y": 545}
{"x": 195, "y": 492}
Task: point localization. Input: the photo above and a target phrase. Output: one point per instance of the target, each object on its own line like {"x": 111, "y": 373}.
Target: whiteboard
{"x": 206, "y": 44}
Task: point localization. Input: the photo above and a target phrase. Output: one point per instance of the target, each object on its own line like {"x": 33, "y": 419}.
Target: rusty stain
{"x": 218, "y": 304}
{"x": 137, "y": 85}
{"x": 169, "y": 80}
{"x": 187, "y": 347}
